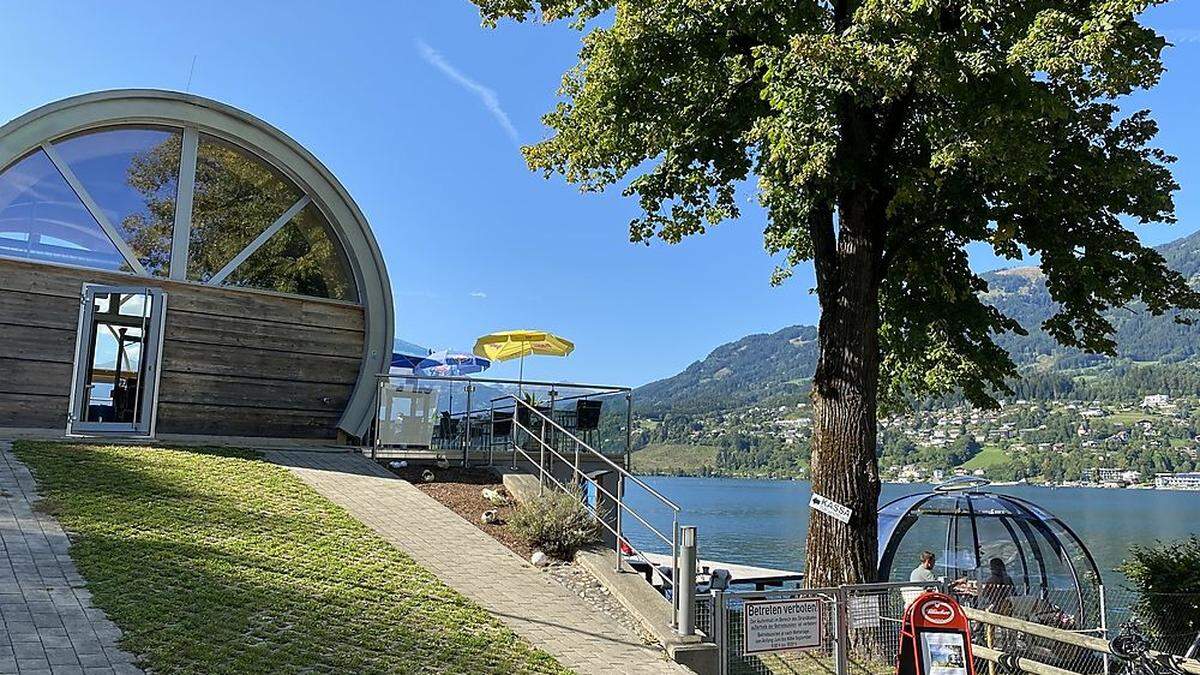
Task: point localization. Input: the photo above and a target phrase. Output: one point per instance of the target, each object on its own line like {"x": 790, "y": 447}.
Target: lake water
{"x": 763, "y": 522}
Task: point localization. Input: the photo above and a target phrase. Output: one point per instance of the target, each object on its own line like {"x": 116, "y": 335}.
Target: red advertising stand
{"x": 935, "y": 638}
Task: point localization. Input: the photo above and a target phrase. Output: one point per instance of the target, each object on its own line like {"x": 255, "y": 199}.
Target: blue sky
{"x": 419, "y": 111}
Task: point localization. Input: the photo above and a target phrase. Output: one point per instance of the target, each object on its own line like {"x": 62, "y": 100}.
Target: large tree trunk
{"x": 844, "y": 394}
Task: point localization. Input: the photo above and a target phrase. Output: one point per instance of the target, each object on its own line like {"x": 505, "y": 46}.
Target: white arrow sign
{"x": 830, "y": 508}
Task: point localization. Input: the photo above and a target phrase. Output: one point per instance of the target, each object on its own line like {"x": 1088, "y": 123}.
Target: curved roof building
{"x": 172, "y": 265}
{"x": 989, "y": 538}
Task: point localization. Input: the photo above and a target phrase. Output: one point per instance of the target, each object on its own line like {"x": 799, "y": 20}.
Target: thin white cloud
{"x": 1183, "y": 35}
{"x": 486, "y": 95}
{"x": 478, "y": 294}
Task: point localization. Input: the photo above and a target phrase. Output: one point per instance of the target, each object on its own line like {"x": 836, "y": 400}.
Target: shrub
{"x": 1167, "y": 580}
{"x": 556, "y": 522}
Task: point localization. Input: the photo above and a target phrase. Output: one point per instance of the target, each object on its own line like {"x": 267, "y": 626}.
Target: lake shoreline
{"x": 764, "y": 521}
{"x": 800, "y": 479}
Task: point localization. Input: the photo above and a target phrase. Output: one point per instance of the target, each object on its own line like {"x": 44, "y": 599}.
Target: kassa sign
{"x": 935, "y": 638}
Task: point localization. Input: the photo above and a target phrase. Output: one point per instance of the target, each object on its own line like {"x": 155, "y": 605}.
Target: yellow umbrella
{"x": 517, "y": 344}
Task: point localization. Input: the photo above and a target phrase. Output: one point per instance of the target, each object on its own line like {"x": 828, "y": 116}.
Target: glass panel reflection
{"x": 133, "y": 176}
{"x": 237, "y": 196}
{"x": 303, "y": 258}
{"x": 115, "y": 374}
{"x": 41, "y": 218}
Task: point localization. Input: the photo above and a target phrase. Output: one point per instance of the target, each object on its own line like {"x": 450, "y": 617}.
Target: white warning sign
{"x": 779, "y": 625}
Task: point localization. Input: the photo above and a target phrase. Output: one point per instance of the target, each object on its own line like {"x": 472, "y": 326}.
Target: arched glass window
{"x": 107, "y": 198}
{"x": 302, "y": 258}
{"x": 132, "y": 174}
{"x": 42, "y": 219}
{"x": 237, "y": 196}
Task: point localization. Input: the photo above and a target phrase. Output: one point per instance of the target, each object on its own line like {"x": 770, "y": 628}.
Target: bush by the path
{"x": 557, "y": 523}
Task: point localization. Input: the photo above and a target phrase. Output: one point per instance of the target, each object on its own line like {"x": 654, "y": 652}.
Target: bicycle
{"x": 1131, "y": 648}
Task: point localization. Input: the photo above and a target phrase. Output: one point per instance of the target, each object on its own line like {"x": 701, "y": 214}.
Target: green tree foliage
{"x": 1167, "y": 579}
{"x": 885, "y": 136}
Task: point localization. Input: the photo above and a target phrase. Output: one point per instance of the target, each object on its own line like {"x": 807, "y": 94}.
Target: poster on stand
{"x": 944, "y": 653}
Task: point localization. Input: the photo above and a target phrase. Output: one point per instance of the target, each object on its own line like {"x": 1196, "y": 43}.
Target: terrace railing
{"x": 547, "y": 453}
{"x": 416, "y": 419}
{"x": 458, "y": 418}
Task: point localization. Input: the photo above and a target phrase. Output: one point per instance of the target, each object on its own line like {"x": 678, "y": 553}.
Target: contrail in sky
{"x": 486, "y": 94}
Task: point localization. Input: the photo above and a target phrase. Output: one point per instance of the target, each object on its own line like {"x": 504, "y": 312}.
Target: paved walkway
{"x": 545, "y": 613}
{"x": 49, "y": 624}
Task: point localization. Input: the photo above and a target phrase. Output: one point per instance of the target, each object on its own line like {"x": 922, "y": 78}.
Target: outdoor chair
{"x": 587, "y": 414}
{"x": 587, "y": 418}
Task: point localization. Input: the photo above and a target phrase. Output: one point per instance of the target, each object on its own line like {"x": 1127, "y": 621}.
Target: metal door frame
{"x": 151, "y": 358}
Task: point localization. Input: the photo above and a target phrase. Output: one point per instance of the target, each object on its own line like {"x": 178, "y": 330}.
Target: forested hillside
{"x": 760, "y": 368}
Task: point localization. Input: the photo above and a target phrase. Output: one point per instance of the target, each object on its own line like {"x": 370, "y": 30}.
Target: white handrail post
{"x": 685, "y": 582}
{"x": 541, "y": 450}
{"x": 628, "y": 431}
{"x": 675, "y": 570}
{"x": 1104, "y": 625}
{"x": 379, "y": 384}
{"x": 720, "y": 630}
{"x": 620, "y": 515}
{"x": 467, "y": 432}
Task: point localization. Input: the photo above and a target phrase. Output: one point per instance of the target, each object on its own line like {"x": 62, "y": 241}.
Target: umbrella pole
{"x": 521, "y": 379}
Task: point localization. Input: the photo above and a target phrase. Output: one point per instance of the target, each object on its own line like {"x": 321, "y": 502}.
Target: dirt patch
{"x": 461, "y": 490}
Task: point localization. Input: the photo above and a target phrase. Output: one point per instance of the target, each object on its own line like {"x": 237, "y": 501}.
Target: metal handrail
{"x": 618, "y": 498}
{"x": 577, "y": 472}
{"x": 614, "y": 389}
{"x": 654, "y": 569}
{"x": 640, "y": 483}
{"x": 463, "y": 441}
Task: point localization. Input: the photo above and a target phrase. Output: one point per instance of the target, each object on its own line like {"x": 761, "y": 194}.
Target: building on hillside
{"x": 1177, "y": 481}
{"x": 1156, "y": 401}
{"x": 1111, "y": 475}
{"x": 170, "y": 265}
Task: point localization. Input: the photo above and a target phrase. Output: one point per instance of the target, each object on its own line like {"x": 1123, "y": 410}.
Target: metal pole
{"x": 1104, "y": 624}
{"x": 378, "y": 423}
{"x": 685, "y": 583}
{"x": 491, "y": 443}
{"x": 720, "y": 631}
{"x": 675, "y": 570}
{"x": 839, "y": 630}
{"x": 628, "y": 429}
{"x": 541, "y": 453}
{"x": 553, "y": 431}
{"x": 467, "y": 432}
{"x": 620, "y": 508}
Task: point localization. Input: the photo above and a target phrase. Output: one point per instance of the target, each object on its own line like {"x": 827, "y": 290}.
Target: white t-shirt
{"x": 922, "y": 573}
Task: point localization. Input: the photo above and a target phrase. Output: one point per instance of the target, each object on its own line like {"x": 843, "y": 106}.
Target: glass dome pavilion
{"x": 1055, "y": 577}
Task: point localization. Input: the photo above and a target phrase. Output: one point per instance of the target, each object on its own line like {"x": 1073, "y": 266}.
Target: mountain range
{"x": 758, "y": 367}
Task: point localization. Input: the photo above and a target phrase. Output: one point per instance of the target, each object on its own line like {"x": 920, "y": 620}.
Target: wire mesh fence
{"x": 729, "y": 628}
{"x": 873, "y": 620}
{"x": 1052, "y": 629}
{"x": 1170, "y": 622}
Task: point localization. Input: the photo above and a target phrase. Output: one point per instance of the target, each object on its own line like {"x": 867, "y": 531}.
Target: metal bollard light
{"x": 685, "y": 584}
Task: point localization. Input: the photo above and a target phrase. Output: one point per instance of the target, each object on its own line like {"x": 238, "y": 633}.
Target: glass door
{"x": 116, "y": 360}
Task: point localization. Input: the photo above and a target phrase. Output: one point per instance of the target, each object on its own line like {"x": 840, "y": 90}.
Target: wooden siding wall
{"x": 235, "y": 363}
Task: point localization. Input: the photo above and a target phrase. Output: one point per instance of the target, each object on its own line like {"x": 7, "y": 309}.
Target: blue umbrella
{"x": 409, "y": 361}
{"x": 451, "y": 363}
{"x": 454, "y": 364}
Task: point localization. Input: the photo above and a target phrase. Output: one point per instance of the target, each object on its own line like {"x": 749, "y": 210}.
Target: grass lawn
{"x": 1127, "y": 417}
{"x": 213, "y": 561}
{"x": 989, "y": 456}
{"x": 674, "y": 458}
